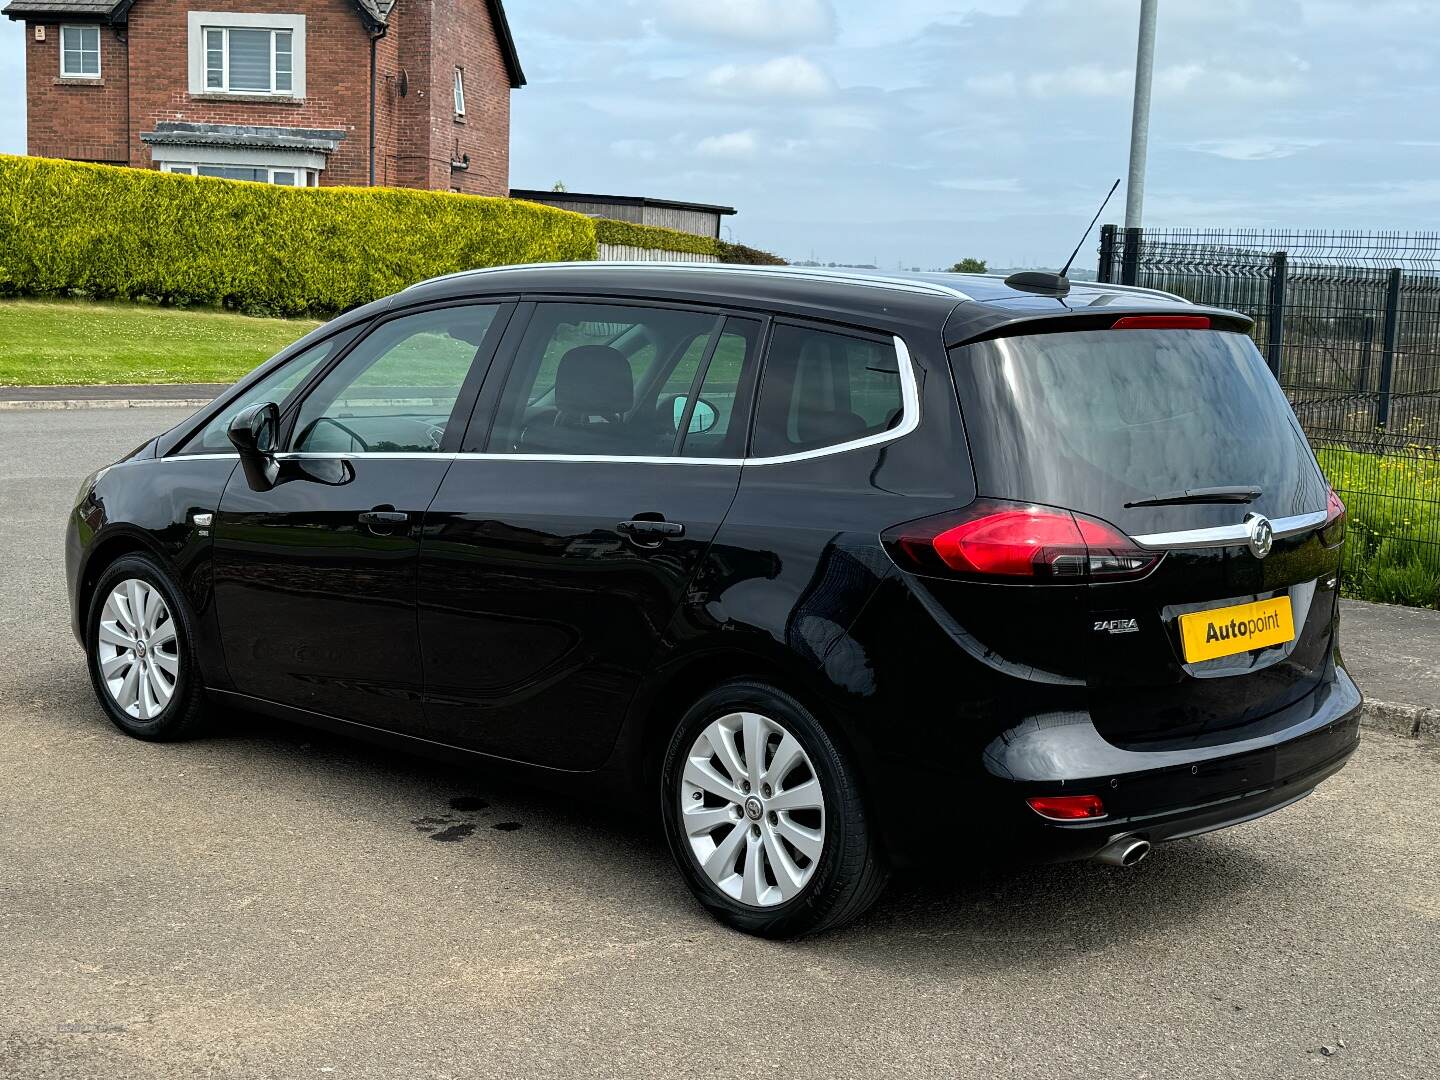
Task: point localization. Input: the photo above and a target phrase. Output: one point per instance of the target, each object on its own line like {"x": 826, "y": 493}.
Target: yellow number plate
{"x": 1229, "y": 630}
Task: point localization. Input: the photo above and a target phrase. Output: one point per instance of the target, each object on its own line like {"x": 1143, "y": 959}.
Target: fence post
{"x": 1130, "y": 262}
{"x": 1391, "y": 335}
{"x": 1275, "y": 324}
{"x": 1107, "y": 253}
{"x": 1367, "y": 340}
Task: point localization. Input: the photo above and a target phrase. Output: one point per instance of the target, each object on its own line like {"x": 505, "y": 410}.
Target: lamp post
{"x": 1140, "y": 117}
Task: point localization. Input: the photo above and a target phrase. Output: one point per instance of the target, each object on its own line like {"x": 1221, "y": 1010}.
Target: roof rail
{"x": 876, "y": 281}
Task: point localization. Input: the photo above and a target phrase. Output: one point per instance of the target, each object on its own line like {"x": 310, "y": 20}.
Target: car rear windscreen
{"x": 1093, "y": 420}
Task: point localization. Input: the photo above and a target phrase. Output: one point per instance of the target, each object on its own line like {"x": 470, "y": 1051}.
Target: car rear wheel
{"x": 764, "y": 816}
{"x": 141, "y": 663}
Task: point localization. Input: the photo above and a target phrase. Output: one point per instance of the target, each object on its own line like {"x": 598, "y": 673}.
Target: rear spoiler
{"x": 975, "y": 321}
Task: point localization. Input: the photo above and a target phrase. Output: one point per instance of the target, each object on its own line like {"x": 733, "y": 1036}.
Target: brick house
{"x": 404, "y": 93}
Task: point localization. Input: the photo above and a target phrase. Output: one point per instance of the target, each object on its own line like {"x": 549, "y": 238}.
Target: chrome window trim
{"x": 909, "y": 421}
{"x": 1226, "y": 535}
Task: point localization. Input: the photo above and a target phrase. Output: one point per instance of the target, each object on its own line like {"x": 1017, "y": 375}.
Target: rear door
{"x": 1182, "y": 440}
{"x": 595, "y": 476}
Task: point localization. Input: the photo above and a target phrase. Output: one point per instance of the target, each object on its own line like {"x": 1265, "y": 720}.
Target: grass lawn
{"x": 72, "y": 342}
{"x": 1392, "y": 541}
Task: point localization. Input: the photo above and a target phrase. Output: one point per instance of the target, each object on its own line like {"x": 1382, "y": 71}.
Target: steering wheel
{"x": 343, "y": 427}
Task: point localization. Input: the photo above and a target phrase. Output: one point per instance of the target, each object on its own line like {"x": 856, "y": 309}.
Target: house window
{"x": 236, "y": 53}
{"x": 285, "y": 175}
{"x": 459, "y": 92}
{"x": 245, "y": 61}
{"x": 79, "y": 52}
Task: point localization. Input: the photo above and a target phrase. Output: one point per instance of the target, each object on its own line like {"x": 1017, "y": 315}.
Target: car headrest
{"x": 824, "y": 426}
{"x": 594, "y": 380}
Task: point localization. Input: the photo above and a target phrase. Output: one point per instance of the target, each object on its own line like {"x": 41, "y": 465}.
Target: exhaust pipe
{"x": 1127, "y": 851}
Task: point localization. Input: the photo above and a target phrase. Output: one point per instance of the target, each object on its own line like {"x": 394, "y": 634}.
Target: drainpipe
{"x": 375, "y": 36}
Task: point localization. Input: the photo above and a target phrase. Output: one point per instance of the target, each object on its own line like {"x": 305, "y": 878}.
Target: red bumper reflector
{"x": 1067, "y": 807}
{"x": 1162, "y": 322}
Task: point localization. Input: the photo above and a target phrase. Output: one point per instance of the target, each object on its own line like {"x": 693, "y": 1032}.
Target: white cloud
{"x": 733, "y": 144}
{"x": 781, "y": 77}
{"x": 758, "y": 21}
{"x": 1000, "y": 84}
{"x": 1255, "y": 147}
{"x": 634, "y": 149}
{"x": 1083, "y": 80}
{"x": 987, "y": 184}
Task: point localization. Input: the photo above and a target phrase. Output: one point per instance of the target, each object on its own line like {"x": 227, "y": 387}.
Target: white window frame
{"x": 303, "y": 177}
{"x": 98, "y": 50}
{"x": 201, "y": 21}
{"x": 459, "y": 91}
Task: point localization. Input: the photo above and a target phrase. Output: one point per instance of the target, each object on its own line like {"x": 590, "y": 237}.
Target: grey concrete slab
{"x": 273, "y": 902}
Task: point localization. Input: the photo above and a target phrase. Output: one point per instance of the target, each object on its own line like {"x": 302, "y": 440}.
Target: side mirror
{"x": 702, "y": 418}
{"x": 253, "y": 433}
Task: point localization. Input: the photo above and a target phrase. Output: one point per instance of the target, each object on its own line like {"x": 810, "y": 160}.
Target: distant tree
{"x": 559, "y": 186}
{"x": 969, "y": 266}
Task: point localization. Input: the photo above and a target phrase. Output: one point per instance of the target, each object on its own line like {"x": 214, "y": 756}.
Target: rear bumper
{"x": 1158, "y": 794}
{"x": 1174, "y": 793}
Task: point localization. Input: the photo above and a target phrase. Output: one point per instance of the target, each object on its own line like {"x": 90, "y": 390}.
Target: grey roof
{"x": 378, "y": 10}
{"x": 179, "y": 133}
{"x": 558, "y": 198}
{"x": 91, "y": 9}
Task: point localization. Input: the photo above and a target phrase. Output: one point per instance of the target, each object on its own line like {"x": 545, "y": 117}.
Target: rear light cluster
{"x": 1068, "y": 807}
{"x": 1001, "y": 540}
{"x": 1332, "y": 533}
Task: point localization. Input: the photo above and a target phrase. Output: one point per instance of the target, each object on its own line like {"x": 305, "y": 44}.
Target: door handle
{"x": 645, "y": 531}
{"x": 383, "y": 517}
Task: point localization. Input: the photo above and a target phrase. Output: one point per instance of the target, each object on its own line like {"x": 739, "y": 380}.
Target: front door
{"x": 554, "y": 555}
{"x": 315, "y": 577}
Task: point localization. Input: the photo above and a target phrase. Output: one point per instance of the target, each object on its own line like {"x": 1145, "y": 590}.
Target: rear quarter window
{"x": 823, "y": 388}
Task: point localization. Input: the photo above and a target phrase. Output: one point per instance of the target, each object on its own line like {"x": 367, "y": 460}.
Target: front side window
{"x": 822, "y": 388}
{"x": 80, "y": 52}
{"x": 397, "y": 389}
{"x": 615, "y": 381}
{"x": 277, "y": 386}
{"x": 459, "y": 92}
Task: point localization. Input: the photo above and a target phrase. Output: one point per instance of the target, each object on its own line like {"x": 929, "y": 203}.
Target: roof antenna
{"x": 1042, "y": 281}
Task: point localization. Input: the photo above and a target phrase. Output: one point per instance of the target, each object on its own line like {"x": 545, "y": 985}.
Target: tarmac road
{"x": 272, "y": 902}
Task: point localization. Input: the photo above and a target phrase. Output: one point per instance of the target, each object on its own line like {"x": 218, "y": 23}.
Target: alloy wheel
{"x": 752, "y": 809}
{"x": 138, "y": 652}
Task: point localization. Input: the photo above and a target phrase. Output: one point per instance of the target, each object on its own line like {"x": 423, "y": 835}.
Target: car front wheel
{"x": 141, "y": 662}
{"x": 764, "y": 816}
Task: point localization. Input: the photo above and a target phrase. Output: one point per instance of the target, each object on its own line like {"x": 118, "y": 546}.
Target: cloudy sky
{"x": 921, "y": 131}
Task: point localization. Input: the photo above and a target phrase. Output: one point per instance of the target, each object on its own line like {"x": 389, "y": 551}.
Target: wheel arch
{"x": 679, "y": 683}
{"x": 116, "y": 545}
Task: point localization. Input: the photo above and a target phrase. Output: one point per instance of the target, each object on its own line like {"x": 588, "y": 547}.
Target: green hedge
{"x": 68, "y": 228}
{"x": 652, "y": 237}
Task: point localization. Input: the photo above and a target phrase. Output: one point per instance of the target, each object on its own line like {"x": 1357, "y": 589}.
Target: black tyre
{"x": 138, "y": 637}
{"x": 764, "y": 816}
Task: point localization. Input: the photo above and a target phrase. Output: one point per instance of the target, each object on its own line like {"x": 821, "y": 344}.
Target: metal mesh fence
{"x": 1350, "y": 324}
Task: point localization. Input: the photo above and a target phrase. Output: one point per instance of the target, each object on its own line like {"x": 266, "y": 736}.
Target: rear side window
{"x": 823, "y": 388}
{"x": 614, "y": 380}
{"x": 1094, "y": 420}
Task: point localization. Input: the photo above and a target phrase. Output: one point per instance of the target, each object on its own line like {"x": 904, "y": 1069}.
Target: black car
{"x": 843, "y": 572}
